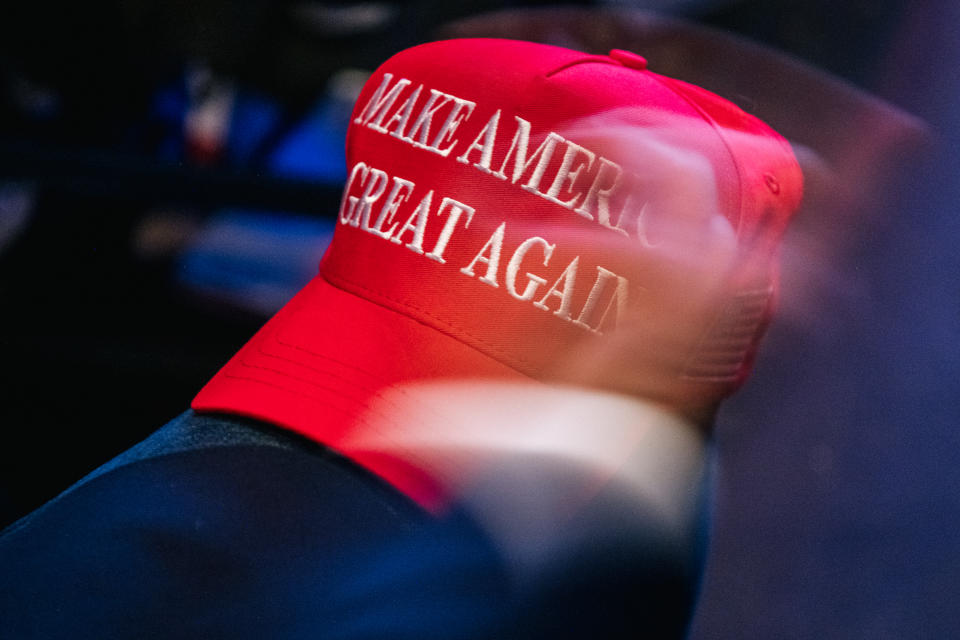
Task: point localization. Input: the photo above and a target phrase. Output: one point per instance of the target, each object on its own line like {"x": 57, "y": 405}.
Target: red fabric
{"x": 383, "y": 312}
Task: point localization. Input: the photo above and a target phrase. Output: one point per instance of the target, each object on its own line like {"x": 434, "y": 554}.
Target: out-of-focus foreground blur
{"x": 170, "y": 172}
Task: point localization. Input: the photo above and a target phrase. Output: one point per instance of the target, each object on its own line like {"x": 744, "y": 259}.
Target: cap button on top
{"x": 629, "y": 59}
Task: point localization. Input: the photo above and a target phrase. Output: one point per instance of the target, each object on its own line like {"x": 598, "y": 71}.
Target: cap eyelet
{"x": 772, "y": 183}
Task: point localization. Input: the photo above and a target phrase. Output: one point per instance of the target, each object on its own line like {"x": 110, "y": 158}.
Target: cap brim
{"x": 321, "y": 365}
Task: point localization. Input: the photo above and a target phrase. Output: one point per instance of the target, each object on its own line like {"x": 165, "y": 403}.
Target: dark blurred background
{"x": 169, "y": 173}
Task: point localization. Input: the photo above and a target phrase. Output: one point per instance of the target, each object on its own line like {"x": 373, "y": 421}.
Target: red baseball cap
{"x": 510, "y": 207}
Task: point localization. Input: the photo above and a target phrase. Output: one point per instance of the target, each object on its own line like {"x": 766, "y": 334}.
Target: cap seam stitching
{"x": 716, "y": 127}
{"x": 522, "y": 361}
{"x": 597, "y": 58}
{"x": 276, "y": 336}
